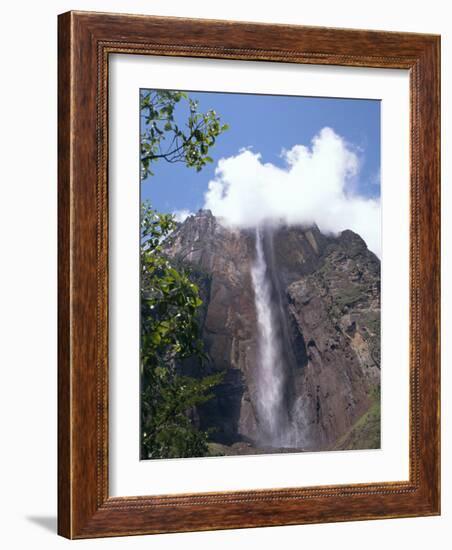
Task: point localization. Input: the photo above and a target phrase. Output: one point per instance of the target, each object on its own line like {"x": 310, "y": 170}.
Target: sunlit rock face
{"x": 293, "y": 318}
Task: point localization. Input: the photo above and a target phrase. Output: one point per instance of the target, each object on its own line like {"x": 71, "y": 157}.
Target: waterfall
{"x": 270, "y": 372}
{"x": 273, "y": 353}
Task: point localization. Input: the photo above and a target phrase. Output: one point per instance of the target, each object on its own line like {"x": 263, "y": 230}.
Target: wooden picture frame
{"x": 85, "y": 508}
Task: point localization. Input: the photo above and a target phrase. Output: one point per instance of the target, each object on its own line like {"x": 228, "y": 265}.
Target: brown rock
{"x": 328, "y": 291}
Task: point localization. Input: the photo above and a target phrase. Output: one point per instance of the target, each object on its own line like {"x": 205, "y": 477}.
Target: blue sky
{"x": 269, "y": 124}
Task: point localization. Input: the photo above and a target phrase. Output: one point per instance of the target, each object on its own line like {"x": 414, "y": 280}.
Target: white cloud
{"x": 182, "y": 215}
{"x": 316, "y": 186}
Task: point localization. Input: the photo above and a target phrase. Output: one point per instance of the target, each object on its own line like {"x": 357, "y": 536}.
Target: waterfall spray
{"x": 273, "y": 354}
{"x": 270, "y": 373}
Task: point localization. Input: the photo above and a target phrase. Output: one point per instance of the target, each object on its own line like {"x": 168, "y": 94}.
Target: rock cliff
{"x": 326, "y": 291}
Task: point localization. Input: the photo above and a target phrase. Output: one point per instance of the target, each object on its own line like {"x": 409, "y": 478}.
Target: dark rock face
{"x": 327, "y": 291}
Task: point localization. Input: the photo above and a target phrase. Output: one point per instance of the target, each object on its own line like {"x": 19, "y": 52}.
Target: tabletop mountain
{"x": 321, "y": 295}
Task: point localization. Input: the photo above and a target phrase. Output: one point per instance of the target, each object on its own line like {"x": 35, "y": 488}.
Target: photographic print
{"x": 260, "y": 252}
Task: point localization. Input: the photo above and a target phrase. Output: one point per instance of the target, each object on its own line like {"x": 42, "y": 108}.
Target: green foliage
{"x": 170, "y": 301}
{"x": 162, "y": 138}
{"x": 169, "y": 334}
